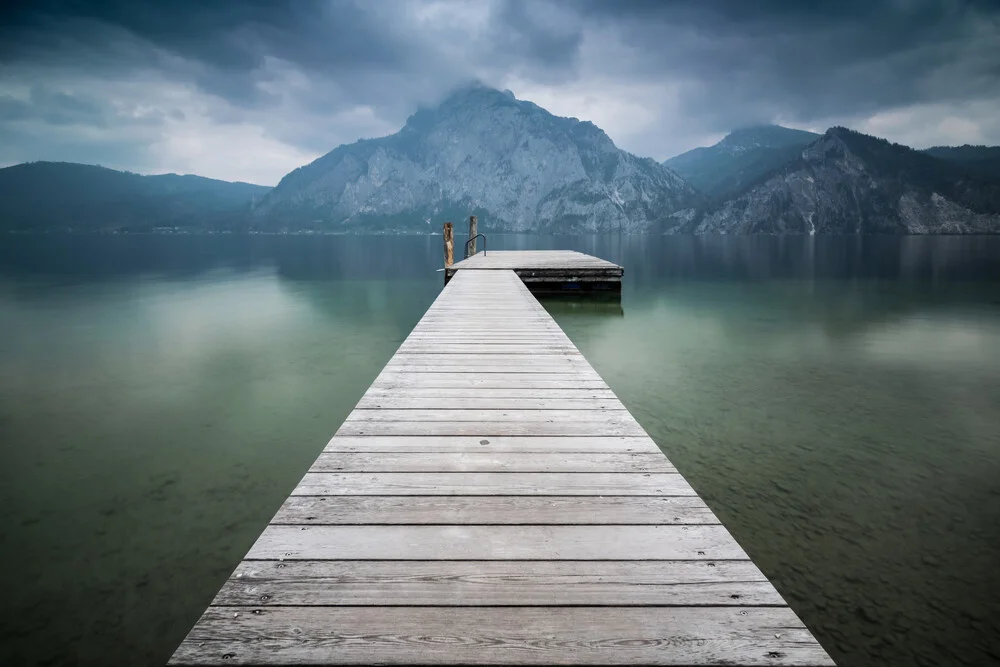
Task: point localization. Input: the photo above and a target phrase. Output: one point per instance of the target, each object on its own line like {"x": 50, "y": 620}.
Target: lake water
{"x": 835, "y": 401}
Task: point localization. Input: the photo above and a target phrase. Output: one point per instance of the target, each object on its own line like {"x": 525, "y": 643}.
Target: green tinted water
{"x": 834, "y": 401}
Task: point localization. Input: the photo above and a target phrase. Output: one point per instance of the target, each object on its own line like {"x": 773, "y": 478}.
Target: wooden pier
{"x": 547, "y": 271}
{"x": 490, "y": 501}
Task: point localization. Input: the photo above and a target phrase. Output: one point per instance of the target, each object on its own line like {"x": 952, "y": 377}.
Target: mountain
{"x": 851, "y": 183}
{"x": 480, "y": 152}
{"x": 61, "y": 196}
{"x": 980, "y": 161}
{"x": 740, "y": 158}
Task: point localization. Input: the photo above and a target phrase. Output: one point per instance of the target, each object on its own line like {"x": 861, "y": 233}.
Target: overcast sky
{"x": 248, "y": 89}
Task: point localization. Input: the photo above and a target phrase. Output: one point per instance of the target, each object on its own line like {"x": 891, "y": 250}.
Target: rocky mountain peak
{"x": 476, "y": 107}
{"x": 480, "y": 151}
{"x": 832, "y": 144}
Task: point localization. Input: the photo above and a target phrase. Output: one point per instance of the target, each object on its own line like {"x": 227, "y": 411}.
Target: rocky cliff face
{"x": 481, "y": 152}
{"x": 849, "y": 183}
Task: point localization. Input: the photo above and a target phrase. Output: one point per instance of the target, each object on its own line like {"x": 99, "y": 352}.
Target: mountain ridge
{"x": 847, "y": 182}
{"x": 49, "y": 196}
{"x": 741, "y": 157}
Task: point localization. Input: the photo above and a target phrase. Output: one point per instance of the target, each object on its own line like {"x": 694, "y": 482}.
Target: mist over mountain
{"x": 742, "y": 157}
{"x": 480, "y": 152}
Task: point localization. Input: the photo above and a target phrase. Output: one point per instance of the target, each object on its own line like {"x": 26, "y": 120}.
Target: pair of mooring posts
{"x": 470, "y": 245}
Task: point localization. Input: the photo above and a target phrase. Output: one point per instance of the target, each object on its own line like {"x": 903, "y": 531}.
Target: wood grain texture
{"x": 490, "y": 510}
{"x": 471, "y": 583}
{"x": 501, "y": 635}
{"x": 533, "y": 348}
{"x": 533, "y": 443}
{"x": 492, "y": 484}
{"x": 505, "y": 381}
{"x": 469, "y": 542}
{"x": 490, "y": 501}
{"x": 480, "y": 461}
{"x": 380, "y": 393}
{"x": 483, "y": 365}
{"x": 489, "y": 429}
{"x": 618, "y": 416}
{"x": 415, "y": 400}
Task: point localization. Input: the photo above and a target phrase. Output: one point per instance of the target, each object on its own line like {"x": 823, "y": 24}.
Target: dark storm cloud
{"x": 224, "y": 44}
{"x": 12, "y": 108}
{"x": 657, "y": 74}
{"x": 741, "y": 59}
{"x": 534, "y": 35}
{"x": 814, "y": 58}
{"x": 57, "y": 108}
{"x": 221, "y": 45}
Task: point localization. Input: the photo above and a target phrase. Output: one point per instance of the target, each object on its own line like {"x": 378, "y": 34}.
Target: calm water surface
{"x": 836, "y": 402}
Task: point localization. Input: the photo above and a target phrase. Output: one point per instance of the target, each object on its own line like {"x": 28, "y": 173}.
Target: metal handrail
{"x": 470, "y": 241}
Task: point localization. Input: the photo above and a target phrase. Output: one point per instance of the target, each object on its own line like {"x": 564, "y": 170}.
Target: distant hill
{"x": 851, "y": 183}
{"x": 740, "y": 158}
{"x": 981, "y": 161}
{"x": 63, "y": 196}
{"x": 486, "y": 153}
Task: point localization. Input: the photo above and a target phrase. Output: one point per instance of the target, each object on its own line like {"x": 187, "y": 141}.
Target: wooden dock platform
{"x": 547, "y": 271}
{"x": 491, "y": 502}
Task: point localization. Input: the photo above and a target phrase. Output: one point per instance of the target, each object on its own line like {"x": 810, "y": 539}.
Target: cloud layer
{"x": 250, "y": 89}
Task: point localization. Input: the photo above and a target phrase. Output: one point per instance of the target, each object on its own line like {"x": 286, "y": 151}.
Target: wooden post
{"x": 473, "y": 230}
{"x": 449, "y": 244}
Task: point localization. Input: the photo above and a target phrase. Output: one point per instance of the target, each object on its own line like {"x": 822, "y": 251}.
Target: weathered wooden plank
{"x": 526, "y": 510}
{"x": 496, "y": 542}
{"x": 562, "y": 378}
{"x": 451, "y": 337}
{"x": 489, "y": 429}
{"x": 493, "y": 484}
{"x": 383, "y": 415}
{"x": 469, "y": 583}
{"x": 407, "y": 443}
{"x": 501, "y": 324}
{"x": 515, "y": 334}
{"x": 483, "y": 393}
{"x": 486, "y": 365}
{"x": 457, "y": 347}
{"x": 499, "y": 314}
{"x": 415, "y": 401}
{"x": 508, "y": 381}
{"x": 487, "y": 324}
{"x": 479, "y": 461}
{"x": 556, "y": 360}
{"x": 501, "y": 635}
{"x": 463, "y": 351}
